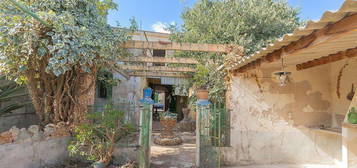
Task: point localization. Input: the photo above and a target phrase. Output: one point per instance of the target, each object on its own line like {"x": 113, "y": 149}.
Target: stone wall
{"x": 33, "y": 154}
{"x": 274, "y": 124}
{"x": 34, "y": 148}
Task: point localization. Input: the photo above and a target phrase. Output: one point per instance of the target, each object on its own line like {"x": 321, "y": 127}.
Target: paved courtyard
{"x": 181, "y": 156}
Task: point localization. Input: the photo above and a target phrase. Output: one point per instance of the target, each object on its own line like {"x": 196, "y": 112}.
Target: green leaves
{"x": 78, "y": 36}
{"x": 249, "y": 23}
{"x": 252, "y": 24}
{"x": 9, "y": 90}
{"x": 95, "y": 140}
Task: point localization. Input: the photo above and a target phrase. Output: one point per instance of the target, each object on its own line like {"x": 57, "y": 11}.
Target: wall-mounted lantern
{"x": 283, "y": 76}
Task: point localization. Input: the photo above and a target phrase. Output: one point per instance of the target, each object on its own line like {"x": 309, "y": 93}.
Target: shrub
{"x": 95, "y": 139}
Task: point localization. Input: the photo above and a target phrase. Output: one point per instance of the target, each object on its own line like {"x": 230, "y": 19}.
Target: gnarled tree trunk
{"x": 61, "y": 98}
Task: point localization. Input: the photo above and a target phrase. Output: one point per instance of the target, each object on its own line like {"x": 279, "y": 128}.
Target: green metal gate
{"x": 209, "y": 134}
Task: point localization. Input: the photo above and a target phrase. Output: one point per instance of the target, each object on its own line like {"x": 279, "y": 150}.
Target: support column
{"x": 349, "y": 139}
{"x": 207, "y": 155}
{"x": 145, "y": 129}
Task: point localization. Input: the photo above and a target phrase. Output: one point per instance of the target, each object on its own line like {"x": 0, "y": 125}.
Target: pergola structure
{"x": 137, "y": 66}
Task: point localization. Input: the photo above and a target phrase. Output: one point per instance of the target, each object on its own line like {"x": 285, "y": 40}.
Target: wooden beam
{"x": 328, "y": 59}
{"x": 160, "y": 60}
{"x": 160, "y": 74}
{"x": 224, "y": 48}
{"x": 346, "y": 24}
{"x": 156, "y": 68}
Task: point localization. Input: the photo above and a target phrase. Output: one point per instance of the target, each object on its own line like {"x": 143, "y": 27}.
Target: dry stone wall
{"x": 34, "y": 147}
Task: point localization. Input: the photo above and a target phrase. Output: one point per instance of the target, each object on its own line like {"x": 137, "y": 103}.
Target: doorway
{"x": 180, "y": 156}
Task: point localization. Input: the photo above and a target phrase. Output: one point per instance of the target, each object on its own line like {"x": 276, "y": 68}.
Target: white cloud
{"x": 160, "y": 27}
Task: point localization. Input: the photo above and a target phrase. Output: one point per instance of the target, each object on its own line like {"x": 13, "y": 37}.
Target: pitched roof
{"x": 329, "y": 17}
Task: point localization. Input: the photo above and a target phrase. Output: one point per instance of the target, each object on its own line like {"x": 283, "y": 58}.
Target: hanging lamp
{"x": 282, "y": 75}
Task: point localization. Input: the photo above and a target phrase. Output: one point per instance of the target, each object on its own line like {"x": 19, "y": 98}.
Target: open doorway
{"x": 168, "y": 100}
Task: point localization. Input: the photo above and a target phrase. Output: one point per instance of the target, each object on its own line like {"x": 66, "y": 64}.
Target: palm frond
{"x": 9, "y": 90}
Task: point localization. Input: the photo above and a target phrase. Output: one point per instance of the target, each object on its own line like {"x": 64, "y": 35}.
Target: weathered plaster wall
{"x": 36, "y": 154}
{"x": 131, "y": 90}
{"x": 349, "y": 139}
{"x": 274, "y": 126}
{"x": 33, "y": 154}
{"x": 349, "y": 77}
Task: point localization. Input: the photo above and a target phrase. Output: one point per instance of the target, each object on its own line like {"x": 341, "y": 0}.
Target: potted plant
{"x": 95, "y": 140}
{"x": 202, "y": 93}
{"x": 201, "y": 82}
{"x": 352, "y": 116}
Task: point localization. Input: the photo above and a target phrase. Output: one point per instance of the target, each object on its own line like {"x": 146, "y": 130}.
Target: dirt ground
{"x": 181, "y": 156}
{"x": 285, "y": 166}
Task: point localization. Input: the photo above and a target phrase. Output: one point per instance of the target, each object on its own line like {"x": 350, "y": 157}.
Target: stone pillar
{"x": 145, "y": 129}
{"x": 206, "y": 154}
{"x": 349, "y": 140}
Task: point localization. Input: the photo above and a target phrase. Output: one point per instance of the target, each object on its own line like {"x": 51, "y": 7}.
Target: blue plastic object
{"x": 147, "y": 96}
{"x": 203, "y": 102}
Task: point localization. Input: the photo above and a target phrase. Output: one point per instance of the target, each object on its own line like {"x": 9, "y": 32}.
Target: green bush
{"x": 95, "y": 140}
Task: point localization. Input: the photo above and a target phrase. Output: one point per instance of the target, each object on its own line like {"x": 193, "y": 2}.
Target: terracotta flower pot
{"x": 202, "y": 94}
{"x": 168, "y": 121}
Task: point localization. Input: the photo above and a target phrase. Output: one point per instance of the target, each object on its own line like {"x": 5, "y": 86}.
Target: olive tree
{"x": 58, "y": 53}
{"x": 251, "y": 24}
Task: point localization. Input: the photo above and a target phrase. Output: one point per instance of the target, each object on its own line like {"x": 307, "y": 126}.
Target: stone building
{"x": 144, "y": 69}
{"x": 289, "y": 101}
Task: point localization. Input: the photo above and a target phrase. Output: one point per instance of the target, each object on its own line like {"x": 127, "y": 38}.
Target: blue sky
{"x": 152, "y": 15}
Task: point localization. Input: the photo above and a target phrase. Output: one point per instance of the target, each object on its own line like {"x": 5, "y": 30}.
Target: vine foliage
{"x": 58, "y": 61}
{"x": 251, "y": 24}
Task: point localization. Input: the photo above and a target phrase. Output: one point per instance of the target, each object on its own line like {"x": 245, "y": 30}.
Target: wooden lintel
{"x": 328, "y": 59}
{"x": 156, "y": 68}
{"x": 160, "y": 74}
{"x": 160, "y": 60}
{"x": 333, "y": 30}
{"x": 223, "y": 48}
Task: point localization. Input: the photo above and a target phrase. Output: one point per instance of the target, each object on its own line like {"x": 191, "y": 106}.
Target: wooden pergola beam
{"x": 223, "y": 48}
{"x": 328, "y": 59}
{"x": 160, "y": 60}
{"x": 160, "y": 74}
{"x": 157, "y": 68}
{"x": 333, "y": 30}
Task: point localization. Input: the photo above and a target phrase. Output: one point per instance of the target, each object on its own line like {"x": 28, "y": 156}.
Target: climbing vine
{"x": 58, "y": 56}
